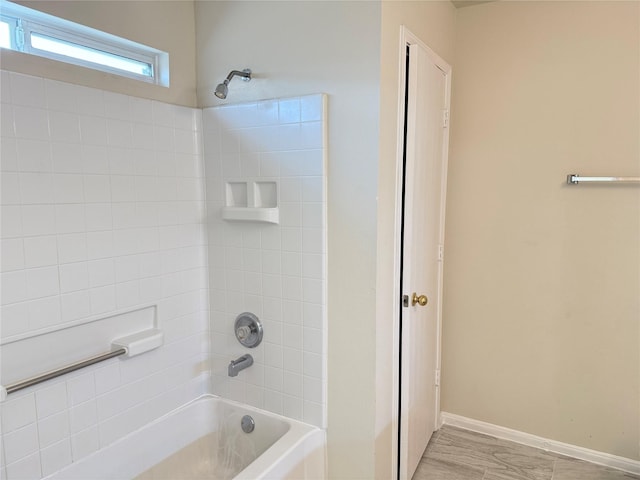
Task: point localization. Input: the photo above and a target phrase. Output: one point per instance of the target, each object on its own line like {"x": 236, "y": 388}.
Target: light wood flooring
{"x": 456, "y": 454}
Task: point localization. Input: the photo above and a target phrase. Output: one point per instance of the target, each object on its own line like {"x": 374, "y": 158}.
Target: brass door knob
{"x": 420, "y": 300}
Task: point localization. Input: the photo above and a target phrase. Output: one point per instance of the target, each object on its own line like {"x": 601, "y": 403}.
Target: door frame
{"x": 407, "y": 38}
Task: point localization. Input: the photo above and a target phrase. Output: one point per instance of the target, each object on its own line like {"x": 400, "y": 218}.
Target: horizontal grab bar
{"x": 29, "y": 382}
{"x": 575, "y": 179}
{"x": 129, "y": 346}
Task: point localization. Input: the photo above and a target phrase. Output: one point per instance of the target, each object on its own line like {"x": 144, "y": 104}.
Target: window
{"x": 7, "y": 31}
{"x": 36, "y": 33}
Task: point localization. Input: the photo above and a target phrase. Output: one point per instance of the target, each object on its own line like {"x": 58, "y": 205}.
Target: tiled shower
{"x": 106, "y": 209}
{"x": 276, "y": 271}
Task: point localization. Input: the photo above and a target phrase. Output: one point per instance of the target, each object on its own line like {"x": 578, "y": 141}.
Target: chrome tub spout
{"x": 241, "y": 363}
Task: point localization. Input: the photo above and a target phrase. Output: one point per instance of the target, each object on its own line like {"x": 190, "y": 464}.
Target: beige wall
{"x": 165, "y": 25}
{"x": 542, "y": 279}
{"x": 297, "y": 48}
{"x": 434, "y": 23}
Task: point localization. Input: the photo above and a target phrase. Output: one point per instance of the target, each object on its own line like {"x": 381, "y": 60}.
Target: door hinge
{"x": 437, "y": 378}
{"x": 445, "y": 118}
{"x": 440, "y": 253}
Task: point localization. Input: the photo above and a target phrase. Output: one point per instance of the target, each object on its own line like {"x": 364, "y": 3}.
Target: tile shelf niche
{"x": 251, "y": 201}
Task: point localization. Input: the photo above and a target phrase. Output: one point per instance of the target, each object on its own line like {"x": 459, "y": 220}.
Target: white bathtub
{"x": 205, "y": 436}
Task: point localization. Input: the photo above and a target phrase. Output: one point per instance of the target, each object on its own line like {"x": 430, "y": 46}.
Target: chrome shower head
{"x": 223, "y": 88}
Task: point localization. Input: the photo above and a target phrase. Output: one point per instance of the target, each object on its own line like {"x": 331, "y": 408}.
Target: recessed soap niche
{"x": 251, "y": 201}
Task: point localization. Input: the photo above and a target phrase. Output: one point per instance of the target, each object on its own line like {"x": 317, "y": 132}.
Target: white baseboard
{"x": 601, "y": 458}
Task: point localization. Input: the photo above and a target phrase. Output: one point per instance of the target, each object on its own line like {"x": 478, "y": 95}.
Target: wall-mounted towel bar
{"x": 575, "y": 179}
{"x": 129, "y": 346}
{"x": 29, "y": 382}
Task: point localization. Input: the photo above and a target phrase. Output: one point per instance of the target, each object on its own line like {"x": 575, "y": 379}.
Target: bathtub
{"x": 204, "y": 439}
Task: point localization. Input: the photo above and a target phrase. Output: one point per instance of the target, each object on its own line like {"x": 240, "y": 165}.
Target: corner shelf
{"x": 254, "y": 200}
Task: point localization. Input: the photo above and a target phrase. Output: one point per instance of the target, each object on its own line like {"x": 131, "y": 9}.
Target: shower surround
{"x": 276, "y": 271}
{"x": 104, "y": 212}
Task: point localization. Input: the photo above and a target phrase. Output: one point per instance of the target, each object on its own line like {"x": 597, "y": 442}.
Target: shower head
{"x": 223, "y": 88}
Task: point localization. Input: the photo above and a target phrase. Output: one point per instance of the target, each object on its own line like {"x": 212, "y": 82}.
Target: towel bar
{"x": 129, "y": 346}
{"x": 575, "y": 179}
{"x": 29, "y": 382}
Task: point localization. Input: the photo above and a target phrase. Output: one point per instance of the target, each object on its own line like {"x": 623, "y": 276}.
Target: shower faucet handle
{"x": 243, "y": 332}
{"x": 248, "y": 329}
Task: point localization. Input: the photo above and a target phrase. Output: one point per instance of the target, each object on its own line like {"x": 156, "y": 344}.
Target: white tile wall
{"x": 274, "y": 271}
{"x": 102, "y": 209}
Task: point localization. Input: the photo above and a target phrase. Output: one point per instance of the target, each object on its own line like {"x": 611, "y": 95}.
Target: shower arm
{"x": 246, "y": 76}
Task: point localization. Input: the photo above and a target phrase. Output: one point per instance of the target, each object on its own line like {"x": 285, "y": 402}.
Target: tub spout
{"x": 241, "y": 363}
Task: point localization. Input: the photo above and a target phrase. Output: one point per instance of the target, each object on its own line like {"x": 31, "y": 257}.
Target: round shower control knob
{"x": 243, "y": 332}
{"x": 248, "y": 330}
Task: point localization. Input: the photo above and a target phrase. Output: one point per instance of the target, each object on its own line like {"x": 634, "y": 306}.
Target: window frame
{"x": 34, "y": 22}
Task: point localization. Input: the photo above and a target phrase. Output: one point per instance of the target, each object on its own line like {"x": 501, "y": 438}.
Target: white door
{"x": 425, "y": 164}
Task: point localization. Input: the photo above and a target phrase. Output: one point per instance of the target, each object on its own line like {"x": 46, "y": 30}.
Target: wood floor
{"x": 455, "y": 454}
